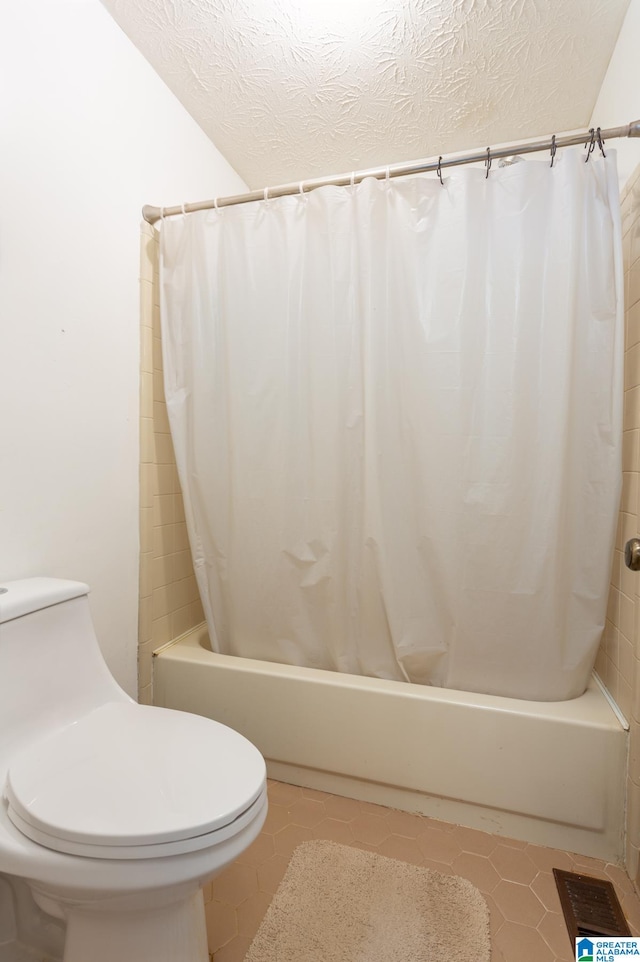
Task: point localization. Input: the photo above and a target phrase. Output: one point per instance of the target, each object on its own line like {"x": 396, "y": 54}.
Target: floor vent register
{"x": 590, "y": 906}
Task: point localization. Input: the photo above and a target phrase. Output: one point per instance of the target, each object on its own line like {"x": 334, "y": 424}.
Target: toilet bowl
{"x": 113, "y": 814}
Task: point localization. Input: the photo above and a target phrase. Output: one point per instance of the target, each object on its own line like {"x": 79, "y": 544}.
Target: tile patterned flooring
{"x": 515, "y": 878}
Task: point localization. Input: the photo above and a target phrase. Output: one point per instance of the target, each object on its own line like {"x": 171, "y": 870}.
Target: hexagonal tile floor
{"x": 515, "y": 878}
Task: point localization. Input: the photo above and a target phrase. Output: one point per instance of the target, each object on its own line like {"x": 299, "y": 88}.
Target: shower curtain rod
{"x": 591, "y": 137}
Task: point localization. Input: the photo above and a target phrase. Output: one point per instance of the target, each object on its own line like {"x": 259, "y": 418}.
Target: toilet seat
{"x": 134, "y": 781}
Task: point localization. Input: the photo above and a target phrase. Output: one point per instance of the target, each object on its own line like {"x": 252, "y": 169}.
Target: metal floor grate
{"x": 590, "y": 906}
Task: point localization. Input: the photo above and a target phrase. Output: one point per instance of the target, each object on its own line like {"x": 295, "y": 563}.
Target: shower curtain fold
{"x": 396, "y": 412}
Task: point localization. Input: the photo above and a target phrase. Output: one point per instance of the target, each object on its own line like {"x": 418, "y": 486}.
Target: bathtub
{"x": 552, "y": 773}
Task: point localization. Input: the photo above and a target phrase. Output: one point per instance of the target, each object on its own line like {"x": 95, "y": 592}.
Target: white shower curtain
{"x": 396, "y": 412}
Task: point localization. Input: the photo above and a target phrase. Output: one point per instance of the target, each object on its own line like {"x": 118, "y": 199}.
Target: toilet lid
{"x": 133, "y": 775}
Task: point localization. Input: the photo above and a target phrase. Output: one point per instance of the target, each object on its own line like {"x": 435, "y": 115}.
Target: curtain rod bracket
{"x": 150, "y": 214}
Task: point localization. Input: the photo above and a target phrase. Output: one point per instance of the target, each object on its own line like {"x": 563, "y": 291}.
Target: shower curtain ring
{"x": 302, "y": 187}
{"x": 553, "y": 149}
{"x": 600, "y": 142}
{"x": 215, "y": 203}
{"x": 353, "y": 178}
{"x": 184, "y": 213}
{"x": 266, "y": 194}
{"x": 591, "y": 145}
{"x": 488, "y": 163}
{"x": 440, "y": 170}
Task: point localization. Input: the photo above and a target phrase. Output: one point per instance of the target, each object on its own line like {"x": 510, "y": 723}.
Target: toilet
{"x": 114, "y": 814}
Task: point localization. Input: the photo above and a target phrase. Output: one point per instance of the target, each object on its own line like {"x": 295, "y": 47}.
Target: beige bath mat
{"x": 340, "y": 904}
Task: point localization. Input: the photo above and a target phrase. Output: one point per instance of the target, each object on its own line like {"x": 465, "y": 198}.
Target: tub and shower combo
{"x": 552, "y": 773}
{"x": 396, "y": 413}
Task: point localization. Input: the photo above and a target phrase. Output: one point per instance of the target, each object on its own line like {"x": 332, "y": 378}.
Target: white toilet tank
{"x": 19, "y": 598}
{"x": 51, "y": 667}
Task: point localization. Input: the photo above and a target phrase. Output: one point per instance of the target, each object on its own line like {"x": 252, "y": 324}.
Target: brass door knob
{"x": 632, "y": 554}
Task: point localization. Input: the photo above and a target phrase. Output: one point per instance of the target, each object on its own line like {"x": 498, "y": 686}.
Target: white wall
{"x": 88, "y": 134}
{"x": 618, "y": 102}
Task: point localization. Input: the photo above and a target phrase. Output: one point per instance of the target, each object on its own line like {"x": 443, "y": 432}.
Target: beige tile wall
{"x": 629, "y": 656}
{"x": 618, "y": 661}
{"x": 169, "y": 600}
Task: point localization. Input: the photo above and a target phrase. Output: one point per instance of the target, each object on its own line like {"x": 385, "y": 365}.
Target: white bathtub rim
{"x": 587, "y": 708}
{"x": 610, "y": 699}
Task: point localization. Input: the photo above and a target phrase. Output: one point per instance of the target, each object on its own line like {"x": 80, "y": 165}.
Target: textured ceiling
{"x": 293, "y": 89}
